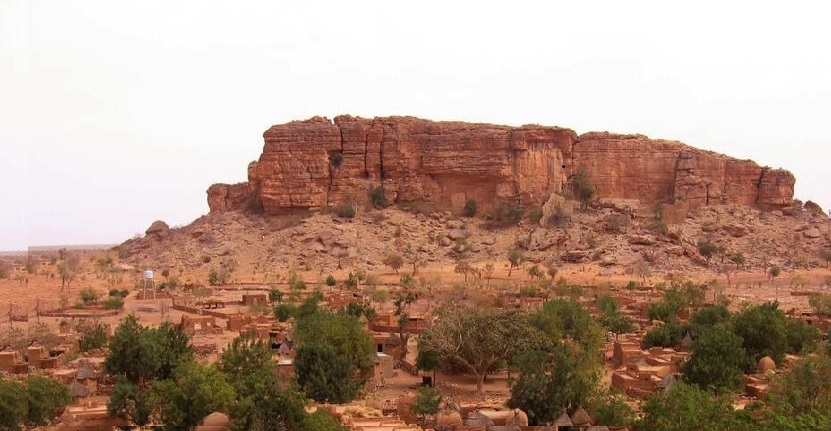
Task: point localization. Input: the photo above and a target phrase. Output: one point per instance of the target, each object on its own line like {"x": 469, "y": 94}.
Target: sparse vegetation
{"x": 515, "y": 258}
{"x": 470, "y": 208}
{"x": 89, "y": 295}
{"x": 583, "y": 187}
{"x": 535, "y": 215}
{"x": 378, "y": 198}
{"x": 394, "y": 261}
{"x": 345, "y": 210}
{"x": 504, "y": 215}
{"x": 336, "y": 158}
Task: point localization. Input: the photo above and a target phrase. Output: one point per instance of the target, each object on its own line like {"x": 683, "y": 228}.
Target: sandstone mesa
{"x": 317, "y": 162}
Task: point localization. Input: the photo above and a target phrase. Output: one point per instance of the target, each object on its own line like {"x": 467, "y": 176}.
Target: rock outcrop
{"x": 158, "y": 230}
{"x": 318, "y": 162}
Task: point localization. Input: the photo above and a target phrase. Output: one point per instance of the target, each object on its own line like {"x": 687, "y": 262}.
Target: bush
{"x": 394, "y": 261}
{"x": 802, "y": 338}
{"x": 505, "y": 214}
{"x": 89, "y": 295}
{"x": 113, "y": 303}
{"x": 469, "y": 209}
{"x": 378, "y": 197}
{"x": 330, "y": 281}
{"x": 218, "y": 277}
{"x": 283, "y": 312}
{"x": 47, "y": 398}
{"x": 336, "y": 159}
{"x": 617, "y": 223}
{"x": 535, "y": 215}
{"x": 583, "y": 188}
{"x": 345, "y": 210}
{"x": 93, "y": 336}
{"x": 560, "y": 216}
{"x": 668, "y": 335}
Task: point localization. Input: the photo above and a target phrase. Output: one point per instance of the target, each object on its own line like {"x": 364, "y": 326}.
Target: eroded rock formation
{"x": 318, "y": 162}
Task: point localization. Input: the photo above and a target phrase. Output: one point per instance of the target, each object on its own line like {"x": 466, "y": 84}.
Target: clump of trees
{"x": 335, "y": 354}
{"x": 159, "y": 381}
{"x": 33, "y": 403}
{"x": 553, "y": 356}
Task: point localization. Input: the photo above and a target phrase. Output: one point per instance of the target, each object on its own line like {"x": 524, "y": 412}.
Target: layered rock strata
{"x": 318, "y": 162}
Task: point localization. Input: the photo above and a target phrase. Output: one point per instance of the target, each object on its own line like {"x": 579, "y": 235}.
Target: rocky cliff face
{"x": 317, "y": 162}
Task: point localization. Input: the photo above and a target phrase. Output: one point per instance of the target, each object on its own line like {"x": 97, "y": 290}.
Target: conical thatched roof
{"x": 687, "y": 341}
{"x": 563, "y": 421}
{"x": 766, "y": 365}
{"x": 580, "y": 417}
{"x": 78, "y": 389}
{"x": 667, "y": 382}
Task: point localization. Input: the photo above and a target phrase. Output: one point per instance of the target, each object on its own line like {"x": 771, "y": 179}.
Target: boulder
{"x": 642, "y": 239}
{"x": 811, "y": 233}
{"x": 158, "y": 230}
{"x": 736, "y": 230}
{"x": 457, "y": 234}
{"x": 576, "y": 256}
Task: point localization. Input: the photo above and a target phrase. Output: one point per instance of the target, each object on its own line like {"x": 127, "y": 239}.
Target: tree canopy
{"x": 717, "y": 360}
{"x": 479, "y": 339}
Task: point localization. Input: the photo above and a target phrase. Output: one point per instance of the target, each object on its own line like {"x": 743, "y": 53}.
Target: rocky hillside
{"x": 613, "y": 237}
{"x": 317, "y": 163}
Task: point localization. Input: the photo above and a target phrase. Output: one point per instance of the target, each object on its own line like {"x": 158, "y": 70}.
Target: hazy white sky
{"x": 117, "y": 113}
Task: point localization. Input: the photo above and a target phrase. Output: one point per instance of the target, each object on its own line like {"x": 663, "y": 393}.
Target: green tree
{"x": 47, "y": 399}
{"x": 706, "y": 249}
{"x": 618, "y": 324}
{"x": 666, "y": 335}
{"x": 428, "y": 360}
{"x": 801, "y": 338}
{"x": 611, "y": 318}
{"x": 394, "y": 261}
{"x": 774, "y": 271}
{"x": 479, "y": 339}
{"x": 261, "y": 402}
{"x": 567, "y": 319}
{"x": 763, "y": 331}
{"x": 13, "y": 405}
{"x": 821, "y": 303}
{"x": 89, "y": 295}
{"x": 427, "y": 401}
{"x": 282, "y": 312}
{"x": 805, "y": 388}
{"x": 143, "y": 354}
{"x": 515, "y": 258}
{"x": 705, "y": 318}
{"x": 583, "y": 187}
{"x": 611, "y": 410}
{"x": 194, "y": 391}
{"x": 686, "y": 407}
{"x": 275, "y": 296}
{"x": 93, "y": 336}
{"x": 549, "y": 382}
{"x": 127, "y": 401}
{"x": 717, "y": 360}
{"x": 336, "y": 337}
{"x": 324, "y": 375}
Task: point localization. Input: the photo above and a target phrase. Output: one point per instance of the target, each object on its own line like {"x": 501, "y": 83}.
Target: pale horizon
{"x": 116, "y": 114}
